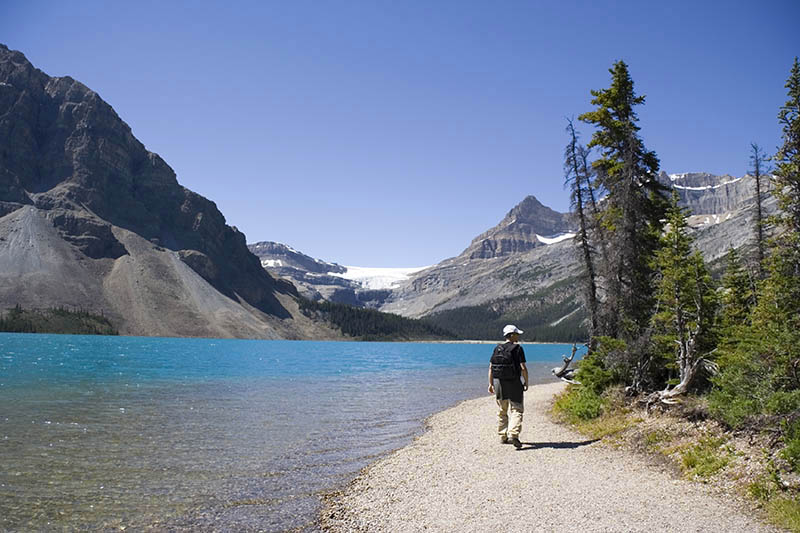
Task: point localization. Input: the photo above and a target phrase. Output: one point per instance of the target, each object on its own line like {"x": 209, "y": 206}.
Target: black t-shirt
{"x": 511, "y": 389}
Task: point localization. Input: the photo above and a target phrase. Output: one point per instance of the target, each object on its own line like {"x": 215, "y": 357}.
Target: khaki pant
{"x": 509, "y": 424}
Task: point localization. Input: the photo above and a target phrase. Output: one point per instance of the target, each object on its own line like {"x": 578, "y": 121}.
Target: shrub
{"x": 783, "y": 402}
{"x": 579, "y": 403}
{"x": 593, "y": 370}
{"x": 741, "y": 390}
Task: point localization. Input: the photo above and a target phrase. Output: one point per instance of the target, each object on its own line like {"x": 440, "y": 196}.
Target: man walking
{"x": 506, "y": 367}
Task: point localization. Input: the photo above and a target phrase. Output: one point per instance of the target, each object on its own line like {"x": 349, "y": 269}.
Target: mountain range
{"x": 92, "y": 220}
{"x": 524, "y": 270}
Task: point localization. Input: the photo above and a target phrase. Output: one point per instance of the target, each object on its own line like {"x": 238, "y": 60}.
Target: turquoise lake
{"x": 105, "y": 433}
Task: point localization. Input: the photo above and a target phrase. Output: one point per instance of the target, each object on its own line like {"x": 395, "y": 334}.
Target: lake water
{"x": 205, "y": 434}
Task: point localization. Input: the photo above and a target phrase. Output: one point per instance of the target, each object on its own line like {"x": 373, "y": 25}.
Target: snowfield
{"x": 376, "y": 278}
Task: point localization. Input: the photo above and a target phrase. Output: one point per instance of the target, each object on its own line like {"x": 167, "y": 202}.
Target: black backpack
{"x": 503, "y": 366}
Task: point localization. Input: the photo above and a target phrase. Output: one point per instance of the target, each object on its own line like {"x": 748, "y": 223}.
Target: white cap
{"x": 511, "y": 329}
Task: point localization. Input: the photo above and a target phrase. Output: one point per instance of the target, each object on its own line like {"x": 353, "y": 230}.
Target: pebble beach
{"x": 458, "y": 477}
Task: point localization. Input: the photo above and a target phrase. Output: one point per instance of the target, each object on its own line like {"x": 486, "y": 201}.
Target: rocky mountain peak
{"x": 519, "y": 231}
{"x": 124, "y": 232}
{"x": 278, "y": 255}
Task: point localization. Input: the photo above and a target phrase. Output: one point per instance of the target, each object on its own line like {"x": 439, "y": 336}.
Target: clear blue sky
{"x": 390, "y": 133}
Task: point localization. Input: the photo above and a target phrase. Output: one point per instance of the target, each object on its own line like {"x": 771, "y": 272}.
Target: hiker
{"x": 505, "y": 368}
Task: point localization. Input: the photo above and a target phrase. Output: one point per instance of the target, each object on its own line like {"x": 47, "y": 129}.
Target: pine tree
{"x": 758, "y": 160}
{"x": 737, "y": 295}
{"x": 787, "y": 171}
{"x": 579, "y": 179}
{"x": 780, "y": 311}
{"x": 760, "y": 364}
{"x": 686, "y": 302}
{"x": 632, "y": 209}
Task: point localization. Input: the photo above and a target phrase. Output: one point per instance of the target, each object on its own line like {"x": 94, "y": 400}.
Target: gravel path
{"x": 458, "y": 477}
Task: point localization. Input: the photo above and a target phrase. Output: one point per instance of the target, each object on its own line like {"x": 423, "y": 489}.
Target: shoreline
{"x": 480, "y": 341}
{"x": 457, "y": 476}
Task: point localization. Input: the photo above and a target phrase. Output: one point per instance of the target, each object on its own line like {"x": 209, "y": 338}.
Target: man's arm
{"x": 524, "y": 370}
{"x": 491, "y": 381}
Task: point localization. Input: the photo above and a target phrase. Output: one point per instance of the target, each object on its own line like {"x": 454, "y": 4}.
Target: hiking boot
{"x": 503, "y": 440}
{"x": 515, "y": 441}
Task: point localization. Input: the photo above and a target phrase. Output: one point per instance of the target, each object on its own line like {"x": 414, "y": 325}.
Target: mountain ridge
{"x": 92, "y": 219}
{"x": 89, "y": 218}
{"x": 519, "y": 230}
{"x": 535, "y": 281}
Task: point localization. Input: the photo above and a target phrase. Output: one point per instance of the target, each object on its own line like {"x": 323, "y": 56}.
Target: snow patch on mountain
{"x": 555, "y": 238}
{"x": 557, "y": 322}
{"x": 675, "y": 177}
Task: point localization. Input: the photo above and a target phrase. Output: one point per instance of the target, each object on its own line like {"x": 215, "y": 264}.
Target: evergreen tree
{"x": 632, "y": 209}
{"x": 780, "y": 312}
{"x": 787, "y": 171}
{"x": 686, "y": 301}
{"x": 737, "y": 295}
{"x": 579, "y": 179}
{"x": 760, "y": 364}
{"x": 758, "y": 160}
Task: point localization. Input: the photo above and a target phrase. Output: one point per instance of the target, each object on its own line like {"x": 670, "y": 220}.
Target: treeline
{"x": 55, "y": 320}
{"x": 370, "y": 325}
{"x": 659, "y": 326}
{"x": 542, "y": 316}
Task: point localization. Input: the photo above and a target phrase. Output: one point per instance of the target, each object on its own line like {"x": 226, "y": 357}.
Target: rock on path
{"x": 458, "y": 477}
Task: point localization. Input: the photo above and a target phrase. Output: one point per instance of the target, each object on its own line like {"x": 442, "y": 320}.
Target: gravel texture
{"x": 458, "y": 477}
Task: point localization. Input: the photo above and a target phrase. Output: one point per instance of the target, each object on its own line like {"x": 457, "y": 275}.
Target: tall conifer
{"x": 737, "y": 295}
{"x": 757, "y": 161}
{"x": 686, "y": 301}
{"x": 579, "y": 179}
{"x": 633, "y": 207}
{"x": 787, "y": 171}
{"x": 761, "y": 362}
{"x": 777, "y": 314}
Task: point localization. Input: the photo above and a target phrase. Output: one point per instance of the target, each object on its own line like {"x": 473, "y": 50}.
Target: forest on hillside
{"x": 661, "y": 329}
{"x": 55, "y": 320}
{"x": 370, "y": 325}
{"x": 552, "y": 314}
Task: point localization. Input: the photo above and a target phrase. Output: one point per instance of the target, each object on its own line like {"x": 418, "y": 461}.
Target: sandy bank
{"x": 457, "y": 477}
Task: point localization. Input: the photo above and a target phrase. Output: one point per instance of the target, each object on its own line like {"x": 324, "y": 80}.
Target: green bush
{"x": 593, "y": 372}
{"x": 580, "y": 403}
{"x": 783, "y": 402}
{"x": 741, "y": 390}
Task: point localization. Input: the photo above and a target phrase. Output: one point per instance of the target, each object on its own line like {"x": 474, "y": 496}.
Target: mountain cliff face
{"x": 538, "y": 287}
{"x": 521, "y": 230}
{"x": 707, "y": 194}
{"x": 89, "y": 218}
